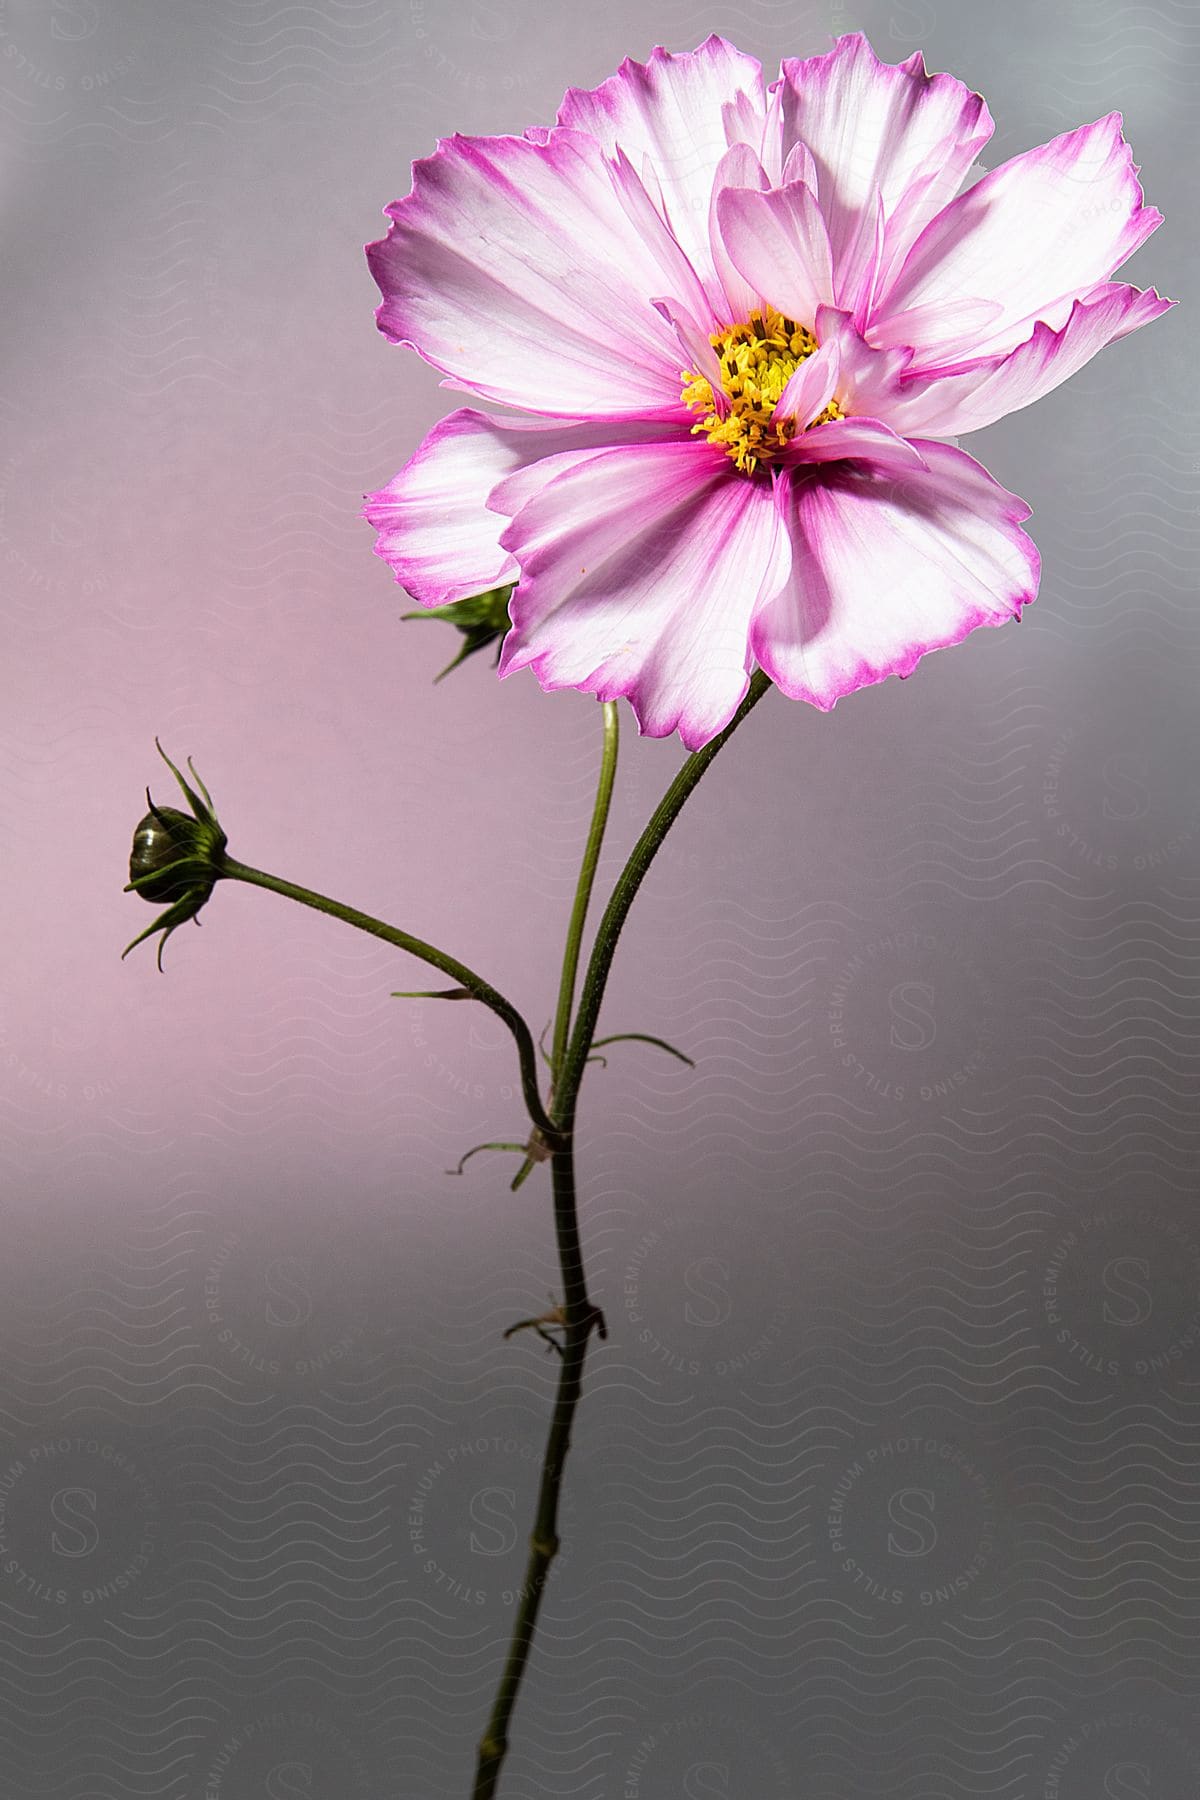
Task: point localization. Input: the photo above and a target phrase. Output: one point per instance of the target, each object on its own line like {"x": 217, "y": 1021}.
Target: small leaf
{"x": 546, "y": 1056}
{"x": 554, "y": 1317}
{"x": 482, "y": 619}
{"x": 432, "y": 994}
{"x": 166, "y": 922}
{"x": 518, "y": 1148}
{"x": 640, "y": 1037}
{"x": 203, "y": 809}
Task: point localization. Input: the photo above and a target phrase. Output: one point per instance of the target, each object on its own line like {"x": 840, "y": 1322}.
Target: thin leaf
{"x": 546, "y": 1056}
{"x": 518, "y": 1148}
{"x": 641, "y": 1037}
{"x": 432, "y": 994}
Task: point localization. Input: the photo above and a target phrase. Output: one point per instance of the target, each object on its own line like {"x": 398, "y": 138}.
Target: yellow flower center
{"x": 757, "y": 360}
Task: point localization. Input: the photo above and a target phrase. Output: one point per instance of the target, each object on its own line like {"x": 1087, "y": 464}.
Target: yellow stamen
{"x": 757, "y": 360}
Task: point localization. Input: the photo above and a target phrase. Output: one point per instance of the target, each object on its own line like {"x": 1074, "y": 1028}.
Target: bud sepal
{"x": 482, "y": 619}
{"x": 176, "y": 857}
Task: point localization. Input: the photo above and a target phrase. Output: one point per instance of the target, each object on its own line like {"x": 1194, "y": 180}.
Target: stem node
{"x": 540, "y": 1149}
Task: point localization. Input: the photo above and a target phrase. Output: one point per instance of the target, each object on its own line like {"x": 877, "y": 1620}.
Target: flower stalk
{"x": 578, "y": 1313}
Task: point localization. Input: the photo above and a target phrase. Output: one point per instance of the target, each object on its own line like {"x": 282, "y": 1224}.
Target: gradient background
{"x": 884, "y": 1483}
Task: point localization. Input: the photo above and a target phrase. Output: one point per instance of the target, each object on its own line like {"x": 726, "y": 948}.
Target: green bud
{"x": 177, "y": 857}
{"x": 482, "y": 619}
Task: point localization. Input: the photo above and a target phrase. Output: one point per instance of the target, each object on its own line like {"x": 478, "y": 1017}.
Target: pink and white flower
{"x": 740, "y": 325}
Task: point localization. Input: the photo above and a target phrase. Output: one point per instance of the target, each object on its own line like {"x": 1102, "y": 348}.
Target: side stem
{"x": 583, "y": 888}
{"x": 477, "y": 987}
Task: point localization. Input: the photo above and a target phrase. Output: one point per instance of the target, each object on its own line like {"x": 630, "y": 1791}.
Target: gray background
{"x": 884, "y": 1482}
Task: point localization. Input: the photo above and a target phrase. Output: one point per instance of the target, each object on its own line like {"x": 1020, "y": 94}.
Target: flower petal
{"x": 641, "y": 569}
{"x": 954, "y": 325}
{"x": 779, "y": 243}
{"x": 1032, "y": 236}
{"x": 744, "y": 118}
{"x": 675, "y": 109}
{"x": 738, "y": 168}
{"x": 656, "y": 239}
{"x": 855, "y": 440}
{"x": 799, "y": 166}
{"x": 885, "y": 570}
{"x": 695, "y": 344}
{"x": 988, "y": 390}
{"x": 435, "y": 528}
{"x": 875, "y": 128}
{"x": 513, "y": 268}
{"x": 810, "y": 389}
{"x": 869, "y": 382}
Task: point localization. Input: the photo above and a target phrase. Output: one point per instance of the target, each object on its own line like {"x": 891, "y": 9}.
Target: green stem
{"x": 583, "y": 888}
{"x": 580, "y": 1316}
{"x": 617, "y": 910}
{"x": 449, "y": 965}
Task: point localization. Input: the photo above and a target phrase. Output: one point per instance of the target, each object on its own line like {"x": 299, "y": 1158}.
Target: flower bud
{"x": 176, "y": 857}
{"x": 171, "y": 852}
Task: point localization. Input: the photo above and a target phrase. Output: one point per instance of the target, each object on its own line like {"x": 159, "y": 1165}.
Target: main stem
{"x": 580, "y": 1316}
